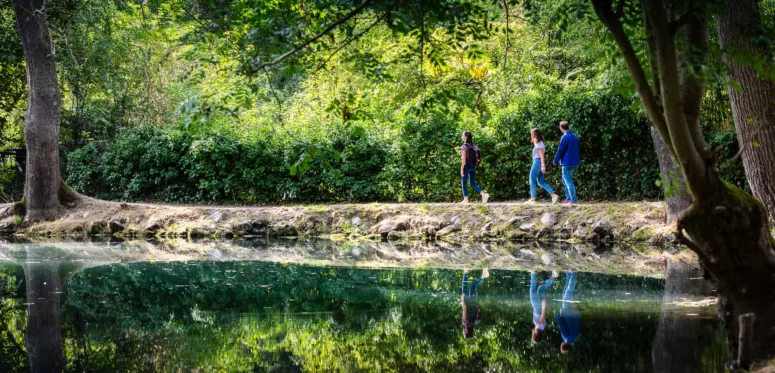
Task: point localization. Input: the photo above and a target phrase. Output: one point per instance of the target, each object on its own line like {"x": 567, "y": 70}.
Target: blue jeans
{"x": 469, "y": 172}
{"x": 569, "y": 319}
{"x": 567, "y": 180}
{"x": 469, "y": 289}
{"x": 537, "y": 177}
{"x": 570, "y": 288}
{"x": 537, "y": 293}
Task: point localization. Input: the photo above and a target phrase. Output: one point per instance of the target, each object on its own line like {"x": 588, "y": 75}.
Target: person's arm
{"x": 463, "y": 305}
{"x": 542, "y": 319}
{"x": 561, "y": 150}
{"x": 462, "y": 162}
{"x": 543, "y": 161}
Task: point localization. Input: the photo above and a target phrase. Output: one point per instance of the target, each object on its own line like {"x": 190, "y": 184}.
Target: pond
{"x": 74, "y": 314}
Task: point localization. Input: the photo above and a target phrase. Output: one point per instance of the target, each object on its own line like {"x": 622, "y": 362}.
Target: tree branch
{"x": 692, "y": 163}
{"x": 620, "y": 9}
{"x": 614, "y": 25}
{"x": 694, "y": 53}
{"x": 352, "y": 39}
{"x": 684, "y": 20}
{"x": 323, "y": 33}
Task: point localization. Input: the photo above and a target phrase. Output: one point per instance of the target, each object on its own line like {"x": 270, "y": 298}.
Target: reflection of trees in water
{"x": 183, "y": 316}
{"x": 44, "y": 334}
{"x": 676, "y": 344}
{"x": 37, "y": 285}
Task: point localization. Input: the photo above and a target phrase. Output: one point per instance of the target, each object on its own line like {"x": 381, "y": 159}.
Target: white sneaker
{"x": 530, "y": 202}
{"x": 555, "y": 198}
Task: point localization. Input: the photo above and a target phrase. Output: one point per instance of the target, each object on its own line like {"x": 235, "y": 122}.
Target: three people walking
{"x": 568, "y": 157}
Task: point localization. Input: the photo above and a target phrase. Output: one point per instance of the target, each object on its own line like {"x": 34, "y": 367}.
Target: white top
{"x": 536, "y": 154}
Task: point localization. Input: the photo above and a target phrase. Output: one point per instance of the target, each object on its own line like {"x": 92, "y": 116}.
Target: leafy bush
{"x": 418, "y": 159}
{"x": 617, "y": 156}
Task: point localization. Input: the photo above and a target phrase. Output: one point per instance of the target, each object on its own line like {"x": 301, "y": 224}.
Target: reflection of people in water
{"x": 569, "y": 318}
{"x": 538, "y": 299}
{"x": 472, "y": 314}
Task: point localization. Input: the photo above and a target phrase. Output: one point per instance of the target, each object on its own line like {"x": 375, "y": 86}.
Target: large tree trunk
{"x": 44, "y": 334}
{"x": 680, "y": 199}
{"x": 726, "y": 227}
{"x": 732, "y": 240}
{"x": 41, "y": 124}
{"x": 753, "y": 107}
{"x": 675, "y": 344}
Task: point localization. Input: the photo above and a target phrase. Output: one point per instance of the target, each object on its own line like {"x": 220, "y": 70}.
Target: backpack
{"x": 473, "y": 155}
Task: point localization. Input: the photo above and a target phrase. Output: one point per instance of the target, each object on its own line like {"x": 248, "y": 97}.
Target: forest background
{"x": 160, "y": 104}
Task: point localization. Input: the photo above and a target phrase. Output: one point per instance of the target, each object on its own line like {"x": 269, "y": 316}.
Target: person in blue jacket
{"x": 569, "y": 318}
{"x": 569, "y": 158}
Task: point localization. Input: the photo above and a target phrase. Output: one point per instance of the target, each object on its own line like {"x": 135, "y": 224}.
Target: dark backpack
{"x": 473, "y": 155}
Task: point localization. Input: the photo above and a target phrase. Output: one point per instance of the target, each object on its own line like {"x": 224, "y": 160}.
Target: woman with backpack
{"x": 471, "y": 156}
{"x": 538, "y": 169}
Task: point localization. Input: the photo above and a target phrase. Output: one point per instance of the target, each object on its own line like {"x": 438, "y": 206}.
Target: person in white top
{"x": 538, "y": 169}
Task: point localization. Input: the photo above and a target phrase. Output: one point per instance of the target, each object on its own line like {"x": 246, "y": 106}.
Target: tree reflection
{"x": 675, "y": 344}
{"x": 44, "y": 333}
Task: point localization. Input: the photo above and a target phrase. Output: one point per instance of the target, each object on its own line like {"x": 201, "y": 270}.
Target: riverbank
{"x": 625, "y": 222}
{"x": 581, "y": 257}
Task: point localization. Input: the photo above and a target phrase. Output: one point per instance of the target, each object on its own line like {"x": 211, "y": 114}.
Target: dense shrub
{"x": 154, "y": 164}
{"x": 417, "y": 160}
{"x": 617, "y": 156}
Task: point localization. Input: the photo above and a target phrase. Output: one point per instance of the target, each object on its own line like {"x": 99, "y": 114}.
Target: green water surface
{"x": 253, "y": 316}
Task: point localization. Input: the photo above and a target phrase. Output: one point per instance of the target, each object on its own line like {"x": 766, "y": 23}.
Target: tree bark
{"x": 44, "y": 334}
{"x": 680, "y": 200}
{"x": 753, "y": 107}
{"x": 41, "y": 123}
{"x": 726, "y": 227}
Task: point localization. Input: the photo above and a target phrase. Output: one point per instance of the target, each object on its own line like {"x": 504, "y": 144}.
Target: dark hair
{"x": 539, "y": 136}
{"x": 564, "y": 125}
{"x": 469, "y": 137}
{"x": 468, "y": 331}
{"x": 536, "y": 335}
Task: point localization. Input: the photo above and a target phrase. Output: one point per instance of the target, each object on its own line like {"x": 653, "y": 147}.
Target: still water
{"x": 253, "y": 316}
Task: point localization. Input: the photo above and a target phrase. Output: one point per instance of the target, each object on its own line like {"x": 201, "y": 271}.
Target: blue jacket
{"x": 568, "y": 152}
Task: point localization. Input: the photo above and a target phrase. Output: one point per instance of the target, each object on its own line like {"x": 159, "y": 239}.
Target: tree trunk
{"x": 41, "y": 123}
{"x": 731, "y": 237}
{"x": 675, "y": 343}
{"x": 753, "y": 107}
{"x": 680, "y": 199}
{"x": 726, "y": 227}
{"x": 44, "y": 334}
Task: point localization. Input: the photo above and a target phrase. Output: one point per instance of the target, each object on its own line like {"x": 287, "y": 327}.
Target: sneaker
{"x": 530, "y": 202}
{"x": 555, "y": 198}
{"x": 555, "y": 274}
{"x": 485, "y": 197}
{"x": 464, "y": 201}
{"x": 567, "y": 203}
{"x": 485, "y": 273}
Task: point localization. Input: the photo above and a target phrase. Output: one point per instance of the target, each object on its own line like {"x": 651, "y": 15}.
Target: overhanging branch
{"x": 614, "y": 25}
{"x": 315, "y": 38}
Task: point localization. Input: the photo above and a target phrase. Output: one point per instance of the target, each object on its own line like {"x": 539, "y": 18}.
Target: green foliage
{"x": 258, "y": 316}
{"x": 422, "y": 164}
{"x": 372, "y": 111}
